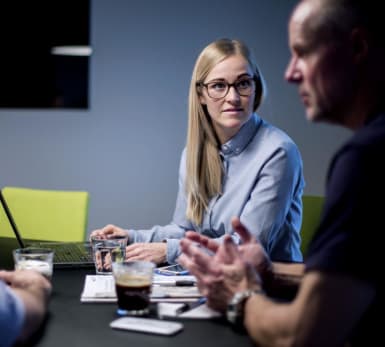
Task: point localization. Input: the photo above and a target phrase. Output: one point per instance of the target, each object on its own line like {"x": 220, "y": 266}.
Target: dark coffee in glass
{"x": 133, "y": 281}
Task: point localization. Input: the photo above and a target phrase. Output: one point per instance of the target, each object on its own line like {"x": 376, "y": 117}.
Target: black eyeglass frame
{"x": 229, "y": 85}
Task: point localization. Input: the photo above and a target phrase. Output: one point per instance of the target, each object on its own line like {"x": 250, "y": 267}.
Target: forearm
{"x": 272, "y": 319}
{"x": 157, "y": 233}
{"x": 266, "y": 321}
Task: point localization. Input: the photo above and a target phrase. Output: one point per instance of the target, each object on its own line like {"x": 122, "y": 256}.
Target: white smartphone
{"x": 147, "y": 325}
{"x": 172, "y": 270}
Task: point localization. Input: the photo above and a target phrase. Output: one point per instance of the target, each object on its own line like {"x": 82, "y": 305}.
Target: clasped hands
{"x": 230, "y": 269}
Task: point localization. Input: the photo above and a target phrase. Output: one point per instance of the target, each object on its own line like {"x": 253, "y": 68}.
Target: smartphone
{"x": 147, "y": 325}
{"x": 172, "y": 270}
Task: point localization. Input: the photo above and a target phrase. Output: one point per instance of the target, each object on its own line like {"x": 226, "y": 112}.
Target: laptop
{"x": 66, "y": 254}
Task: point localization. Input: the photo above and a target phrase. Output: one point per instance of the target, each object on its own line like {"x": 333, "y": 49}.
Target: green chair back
{"x": 312, "y": 208}
{"x": 54, "y": 215}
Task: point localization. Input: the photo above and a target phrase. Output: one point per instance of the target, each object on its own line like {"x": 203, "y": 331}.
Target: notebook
{"x": 66, "y": 254}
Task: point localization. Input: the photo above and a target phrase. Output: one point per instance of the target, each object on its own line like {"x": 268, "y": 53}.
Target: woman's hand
{"x": 152, "y": 251}
{"x": 108, "y": 231}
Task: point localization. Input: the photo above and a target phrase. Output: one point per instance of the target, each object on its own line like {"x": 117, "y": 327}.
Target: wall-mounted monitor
{"x": 45, "y": 54}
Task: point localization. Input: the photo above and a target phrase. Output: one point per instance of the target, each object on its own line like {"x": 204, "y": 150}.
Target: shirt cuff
{"x": 173, "y": 250}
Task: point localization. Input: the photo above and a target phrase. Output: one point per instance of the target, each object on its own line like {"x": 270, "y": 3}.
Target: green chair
{"x": 39, "y": 214}
{"x": 312, "y": 208}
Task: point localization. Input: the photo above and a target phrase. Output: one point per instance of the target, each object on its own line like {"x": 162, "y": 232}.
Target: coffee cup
{"x": 133, "y": 282}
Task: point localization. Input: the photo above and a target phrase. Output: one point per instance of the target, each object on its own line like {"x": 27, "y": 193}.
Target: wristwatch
{"x": 236, "y": 306}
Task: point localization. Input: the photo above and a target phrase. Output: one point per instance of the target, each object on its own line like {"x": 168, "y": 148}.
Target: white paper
{"x": 200, "y": 312}
{"x": 101, "y": 288}
{"x": 98, "y": 288}
{"x": 167, "y": 309}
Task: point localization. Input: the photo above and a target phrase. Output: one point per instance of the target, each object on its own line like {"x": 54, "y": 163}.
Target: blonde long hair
{"x": 204, "y": 166}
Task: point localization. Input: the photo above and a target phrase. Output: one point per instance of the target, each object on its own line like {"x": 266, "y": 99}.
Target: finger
{"x": 96, "y": 233}
{"x": 108, "y": 229}
{"x": 241, "y": 230}
{"x": 186, "y": 246}
{"x": 204, "y": 262}
{"x": 199, "y": 260}
{"x": 202, "y": 240}
{"x": 108, "y": 261}
{"x": 191, "y": 266}
{"x": 194, "y": 236}
{"x": 211, "y": 245}
{"x": 137, "y": 246}
{"x": 183, "y": 260}
{"x": 137, "y": 257}
{"x": 192, "y": 250}
{"x": 230, "y": 250}
{"x": 133, "y": 251}
{"x": 98, "y": 259}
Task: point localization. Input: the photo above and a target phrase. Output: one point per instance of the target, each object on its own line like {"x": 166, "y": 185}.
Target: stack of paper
{"x": 98, "y": 288}
{"x": 101, "y": 288}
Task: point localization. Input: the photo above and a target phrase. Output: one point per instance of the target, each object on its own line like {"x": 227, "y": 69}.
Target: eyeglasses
{"x": 219, "y": 89}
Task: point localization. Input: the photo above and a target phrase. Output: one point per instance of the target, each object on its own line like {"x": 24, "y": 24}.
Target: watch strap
{"x": 236, "y": 306}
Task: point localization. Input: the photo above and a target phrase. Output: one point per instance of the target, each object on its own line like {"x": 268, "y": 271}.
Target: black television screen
{"x": 45, "y": 53}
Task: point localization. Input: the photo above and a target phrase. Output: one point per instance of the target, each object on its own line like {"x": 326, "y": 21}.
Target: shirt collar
{"x": 238, "y": 142}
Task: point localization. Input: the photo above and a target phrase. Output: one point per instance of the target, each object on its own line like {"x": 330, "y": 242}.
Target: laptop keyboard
{"x": 70, "y": 253}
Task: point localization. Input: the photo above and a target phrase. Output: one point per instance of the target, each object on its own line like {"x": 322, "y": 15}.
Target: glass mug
{"x": 133, "y": 282}
{"x": 31, "y": 258}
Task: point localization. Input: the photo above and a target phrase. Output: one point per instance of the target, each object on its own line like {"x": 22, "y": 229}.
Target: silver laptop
{"x": 66, "y": 254}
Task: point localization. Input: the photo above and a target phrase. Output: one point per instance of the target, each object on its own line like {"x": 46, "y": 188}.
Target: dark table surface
{"x": 75, "y": 324}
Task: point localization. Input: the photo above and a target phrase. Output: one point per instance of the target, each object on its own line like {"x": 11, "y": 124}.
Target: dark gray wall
{"x": 125, "y": 149}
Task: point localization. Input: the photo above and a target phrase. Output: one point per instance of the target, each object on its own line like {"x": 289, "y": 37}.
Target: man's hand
{"x": 229, "y": 270}
{"x": 250, "y": 249}
{"x": 34, "y": 290}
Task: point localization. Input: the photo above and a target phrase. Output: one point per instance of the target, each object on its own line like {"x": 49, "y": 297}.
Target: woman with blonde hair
{"x": 234, "y": 163}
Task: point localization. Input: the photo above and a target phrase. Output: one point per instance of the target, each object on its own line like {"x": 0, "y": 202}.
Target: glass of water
{"x": 106, "y": 251}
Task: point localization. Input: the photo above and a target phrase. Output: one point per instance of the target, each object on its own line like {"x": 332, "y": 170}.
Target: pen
{"x": 175, "y": 283}
{"x": 189, "y": 306}
{"x": 171, "y": 273}
{"x": 184, "y": 272}
{"x": 184, "y": 283}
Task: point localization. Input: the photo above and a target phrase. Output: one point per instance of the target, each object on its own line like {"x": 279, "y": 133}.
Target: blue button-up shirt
{"x": 11, "y": 316}
{"x": 263, "y": 185}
